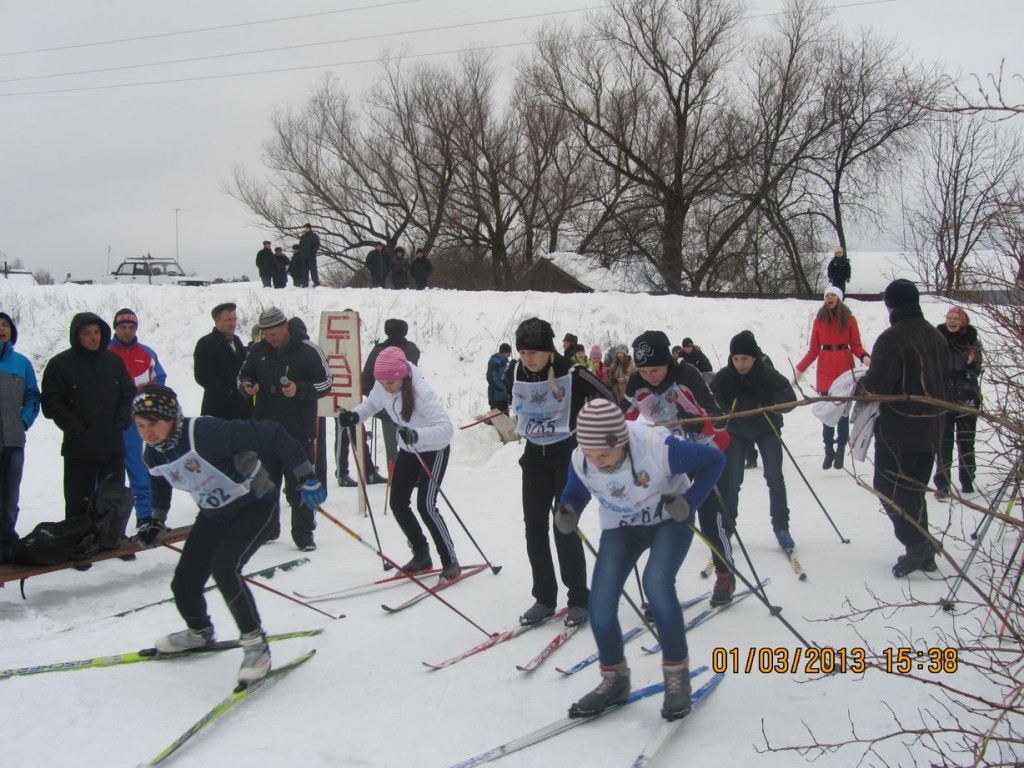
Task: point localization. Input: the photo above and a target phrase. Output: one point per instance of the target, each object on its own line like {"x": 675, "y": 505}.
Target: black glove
{"x": 678, "y": 507}
{"x": 347, "y": 419}
{"x": 408, "y": 435}
{"x": 566, "y": 518}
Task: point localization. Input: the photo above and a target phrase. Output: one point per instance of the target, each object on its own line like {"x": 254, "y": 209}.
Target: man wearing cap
{"x": 143, "y": 367}
{"x": 287, "y": 374}
{"x": 216, "y": 360}
{"x": 309, "y": 246}
{"x": 265, "y": 264}
{"x": 497, "y": 395}
{"x": 909, "y": 358}
{"x": 569, "y": 342}
{"x": 87, "y": 392}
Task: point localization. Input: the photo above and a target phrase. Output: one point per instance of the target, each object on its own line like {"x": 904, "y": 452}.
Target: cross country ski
{"x": 501, "y": 637}
{"x": 418, "y": 597}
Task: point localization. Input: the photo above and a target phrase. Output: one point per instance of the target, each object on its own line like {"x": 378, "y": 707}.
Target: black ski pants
{"x": 901, "y": 477}
{"x": 408, "y": 475}
{"x": 220, "y": 547}
{"x": 715, "y": 525}
{"x": 961, "y": 428}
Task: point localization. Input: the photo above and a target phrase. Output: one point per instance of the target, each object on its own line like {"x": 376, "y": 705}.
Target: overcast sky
{"x": 88, "y": 167}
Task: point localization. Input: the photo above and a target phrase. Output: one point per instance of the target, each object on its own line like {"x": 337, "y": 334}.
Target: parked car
{"x": 148, "y": 270}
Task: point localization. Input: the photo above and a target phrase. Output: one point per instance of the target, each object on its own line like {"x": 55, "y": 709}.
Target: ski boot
{"x": 613, "y": 689}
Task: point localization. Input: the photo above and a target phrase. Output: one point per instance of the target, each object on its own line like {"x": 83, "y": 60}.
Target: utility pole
{"x": 176, "y": 210}
{"x": 903, "y": 207}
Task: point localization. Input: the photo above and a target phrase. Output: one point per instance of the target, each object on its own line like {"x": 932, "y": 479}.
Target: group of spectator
{"x": 275, "y": 266}
{"x": 384, "y": 264}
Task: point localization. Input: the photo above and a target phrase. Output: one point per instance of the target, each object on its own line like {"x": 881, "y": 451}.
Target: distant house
{"x": 546, "y": 276}
{"x": 17, "y": 276}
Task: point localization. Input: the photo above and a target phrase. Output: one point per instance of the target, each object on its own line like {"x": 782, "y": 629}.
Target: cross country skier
{"x": 548, "y": 390}
{"x": 424, "y": 428}
{"x": 640, "y": 476}
{"x": 215, "y": 460}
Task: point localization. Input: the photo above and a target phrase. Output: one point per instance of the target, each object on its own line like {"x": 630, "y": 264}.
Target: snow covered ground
{"x": 365, "y": 699}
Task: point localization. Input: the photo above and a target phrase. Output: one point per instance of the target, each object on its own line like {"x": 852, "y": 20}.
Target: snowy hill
{"x": 366, "y": 699}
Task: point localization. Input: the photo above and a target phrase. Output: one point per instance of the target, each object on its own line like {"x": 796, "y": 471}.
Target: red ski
{"x": 501, "y": 637}
{"x": 469, "y": 570}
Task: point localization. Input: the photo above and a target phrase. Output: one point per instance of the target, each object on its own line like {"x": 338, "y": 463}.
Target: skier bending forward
{"x": 215, "y": 461}
{"x": 639, "y": 474}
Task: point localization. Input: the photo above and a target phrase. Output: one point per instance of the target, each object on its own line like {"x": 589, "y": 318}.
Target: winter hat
{"x": 395, "y": 329}
{"x": 744, "y": 343}
{"x": 271, "y": 318}
{"x": 651, "y": 348}
{"x": 390, "y": 365}
{"x": 600, "y": 425}
{"x": 156, "y": 401}
{"x": 535, "y": 334}
{"x": 125, "y": 315}
{"x": 595, "y": 352}
{"x": 901, "y": 293}
{"x": 687, "y": 342}
{"x": 570, "y": 338}
{"x": 505, "y": 348}
{"x": 834, "y": 290}
{"x": 959, "y": 312}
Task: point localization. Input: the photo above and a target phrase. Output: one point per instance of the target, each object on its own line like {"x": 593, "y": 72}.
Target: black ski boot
{"x": 420, "y": 561}
{"x": 830, "y": 456}
{"x": 840, "y": 456}
{"x": 917, "y": 558}
{"x": 614, "y": 689}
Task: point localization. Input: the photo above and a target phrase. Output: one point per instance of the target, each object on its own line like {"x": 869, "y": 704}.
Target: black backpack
{"x": 100, "y": 527}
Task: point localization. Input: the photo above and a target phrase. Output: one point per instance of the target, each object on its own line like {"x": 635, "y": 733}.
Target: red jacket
{"x": 832, "y": 362}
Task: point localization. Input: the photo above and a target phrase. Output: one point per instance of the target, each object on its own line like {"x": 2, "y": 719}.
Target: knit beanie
{"x": 901, "y": 293}
{"x": 959, "y": 312}
{"x": 834, "y": 289}
{"x": 600, "y": 425}
{"x": 534, "y": 334}
{"x": 390, "y": 365}
{"x": 595, "y": 352}
{"x": 652, "y": 348}
{"x": 744, "y": 343}
{"x": 156, "y": 401}
{"x": 271, "y": 318}
{"x": 125, "y": 315}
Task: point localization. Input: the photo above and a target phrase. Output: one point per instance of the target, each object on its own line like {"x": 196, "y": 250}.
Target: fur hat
{"x": 835, "y": 290}
{"x": 271, "y": 318}
{"x": 125, "y": 315}
{"x": 536, "y": 335}
{"x": 901, "y": 293}
{"x": 600, "y": 425}
{"x": 390, "y": 365}
{"x": 395, "y": 328}
{"x": 652, "y": 348}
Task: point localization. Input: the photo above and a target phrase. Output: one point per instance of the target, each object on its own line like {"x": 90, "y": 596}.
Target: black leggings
{"x": 220, "y": 548}
{"x": 409, "y": 474}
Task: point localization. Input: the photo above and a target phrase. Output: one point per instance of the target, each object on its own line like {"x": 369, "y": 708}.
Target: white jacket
{"x": 433, "y": 425}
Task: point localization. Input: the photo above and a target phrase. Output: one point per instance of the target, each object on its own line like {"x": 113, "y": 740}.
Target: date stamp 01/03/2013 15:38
{"x": 827, "y": 661}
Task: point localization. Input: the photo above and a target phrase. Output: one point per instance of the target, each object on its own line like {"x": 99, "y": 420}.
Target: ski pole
{"x": 806, "y": 481}
{"x": 393, "y": 564}
{"x": 494, "y": 568}
{"x": 488, "y": 417}
{"x": 625, "y": 594}
{"x": 255, "y": 583}
{"x": 353, "y": 435}
{"x": 755, "y": 586}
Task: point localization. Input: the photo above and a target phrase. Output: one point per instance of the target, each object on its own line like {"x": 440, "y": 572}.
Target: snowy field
{"x": 365, "y": 699}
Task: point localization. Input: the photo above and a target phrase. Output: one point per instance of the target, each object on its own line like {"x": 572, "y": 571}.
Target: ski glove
{"x": 409, "y": 436}
{"x": 313, "y": 493}
{"x": 566, "y": 518}
{"x": 149, "y": 530}
{"x": 347, "y": 419}
{"x": 677, "y": 507}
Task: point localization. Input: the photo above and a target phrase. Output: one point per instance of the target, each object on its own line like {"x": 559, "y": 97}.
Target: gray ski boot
{"x": 613, "y": 689}
{"x": 677, "y": 702}
{"x": 186, "y": 640}
{"x": 256, "y": 661}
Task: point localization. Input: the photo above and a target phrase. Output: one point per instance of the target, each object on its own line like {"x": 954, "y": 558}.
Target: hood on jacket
{"x": 14, "y": 328}
{"x": 297, "y": 329}
{"x": 89, "y": 318}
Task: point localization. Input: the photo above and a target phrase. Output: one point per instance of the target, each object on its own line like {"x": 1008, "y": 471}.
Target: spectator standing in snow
{"x": 695, "y": 356}
{"x": 548, "y": 392}
{"x": 309, "y": 247}
{"x": 143, "y": 367}
{"x": 597, "y": 365}
{"x": 264, "y": 265}
{"x": 281, "y": 264}
{"x": 652, "y": 514}
{"x": 966, "y": 353}
{"x": 838, "y": 270}
{"x": 424, "y": 431}
{"x": 19, "y": 406}
{"x": 747, "y": 383}
{"x": 87, "y": 393}
{"x": 836, "y": 345}
{"x": 378, "y": 264}
{"x": 297, "y": 269}
{"x": 497, "y": 395}
{"x": 908, "y": 358}
{"x": 421, "y": 268}
{"x": 619, "y": 370}
{"x": 217, "y": 358}
{"x": 399, "y": 270}
{"x": 217, "y": 462}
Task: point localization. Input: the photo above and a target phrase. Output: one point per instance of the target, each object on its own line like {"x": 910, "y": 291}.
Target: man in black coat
{"x": 309, "y": 246}
{"x": 839, "y": 270}
{"x": 88, "y": 393}
{"x": 217, "y": 358}
{"x": 287, "y": 373}
{"x": 265, "y": 264}
{"x": 420, "y": 269}
{"x": 695, "y": 356}
{"x": 909, "y": 358}
{"x": 378, "y": 263}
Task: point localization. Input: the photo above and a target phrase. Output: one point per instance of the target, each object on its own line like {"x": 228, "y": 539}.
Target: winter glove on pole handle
{"x": 347, "y": 419}
{"x": 566, "y": 518}
{"x": 313, "y": 492}
{"x": 408, "y": 435}
{"x": 677, "y": 507}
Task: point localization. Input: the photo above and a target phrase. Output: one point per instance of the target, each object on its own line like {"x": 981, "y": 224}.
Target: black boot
{"x": 830, "y": 456}
{"x": 420, "y": 561}
{"x": 840, "y": 455}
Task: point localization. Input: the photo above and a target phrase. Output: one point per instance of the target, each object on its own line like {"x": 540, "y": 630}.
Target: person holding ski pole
{"x": 424, "y": 429}
{"x": 548, "y": 391}
{"x": 835, "y": 344}
{"x": 216, "y": 461}
{"x": 641, "y": 476}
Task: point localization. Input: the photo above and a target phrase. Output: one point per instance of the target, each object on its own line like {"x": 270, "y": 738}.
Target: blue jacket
{"x": 496, "y": 368}
{"x": 19, "y": 392}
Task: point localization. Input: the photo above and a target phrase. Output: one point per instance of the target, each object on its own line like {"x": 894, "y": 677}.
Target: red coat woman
{"x": 836, "y": 345}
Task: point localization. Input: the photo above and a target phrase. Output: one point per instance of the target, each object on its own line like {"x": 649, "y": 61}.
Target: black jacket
{"x": 964, "y": 384}
{"x": 379, "y": 264}
{"x": 400, "y": 273}
{"x": 265, "y": 262}
{"x": 217, "y": 360}
{"x": 909, "y": 358}
{"x": 88, "y": 395}
{"x": 698, "y": 360}
{"x": 309, "y": 245}
{"x": 301, "y": 361}
{"x": 421, "y": 269}
{"x": 761, "y": 386}
{"x": 839, "y": 271}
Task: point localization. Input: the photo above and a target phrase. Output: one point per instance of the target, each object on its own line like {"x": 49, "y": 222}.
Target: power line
{"x": 237, "y": 25}
{"x": 361, "y": 38}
